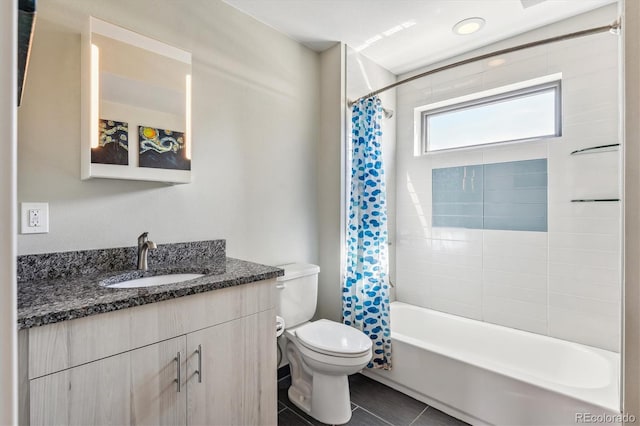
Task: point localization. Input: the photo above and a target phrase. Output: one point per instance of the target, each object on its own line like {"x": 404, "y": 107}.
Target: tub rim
{"x": 600, "y": 399}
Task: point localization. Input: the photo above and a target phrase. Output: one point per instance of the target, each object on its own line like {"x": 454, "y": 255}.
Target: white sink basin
{"x": 155, "y": 280}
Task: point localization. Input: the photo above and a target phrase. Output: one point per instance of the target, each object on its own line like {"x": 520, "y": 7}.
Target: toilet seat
{"x": 333, "y": 339}
{"x": 332, "y": 362}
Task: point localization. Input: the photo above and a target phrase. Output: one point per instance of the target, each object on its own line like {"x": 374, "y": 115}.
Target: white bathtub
{"x": 488, "y": 374}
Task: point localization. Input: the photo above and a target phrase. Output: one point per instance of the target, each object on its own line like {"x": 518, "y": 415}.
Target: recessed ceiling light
{"x": 468, "y": 26}
{"x": 496, "y": 62}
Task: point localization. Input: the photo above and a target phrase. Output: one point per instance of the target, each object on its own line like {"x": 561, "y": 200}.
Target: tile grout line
{"x": 299, "y": 416}
{"x": 374, "y": 415}
{"x": 285, "y": 377}
{"x": 418, "y": 416}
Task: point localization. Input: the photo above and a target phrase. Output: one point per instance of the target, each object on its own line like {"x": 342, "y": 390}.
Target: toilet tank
{"x": 297, "y": 293}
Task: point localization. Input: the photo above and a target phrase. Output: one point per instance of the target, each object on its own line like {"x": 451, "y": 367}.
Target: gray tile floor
{"x": 372, "y": 403}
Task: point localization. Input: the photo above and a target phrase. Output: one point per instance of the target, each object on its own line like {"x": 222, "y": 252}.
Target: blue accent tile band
{"x": 501, "y": 196}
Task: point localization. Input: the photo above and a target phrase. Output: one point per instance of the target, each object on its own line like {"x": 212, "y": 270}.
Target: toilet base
{"x": 322, "y": 396}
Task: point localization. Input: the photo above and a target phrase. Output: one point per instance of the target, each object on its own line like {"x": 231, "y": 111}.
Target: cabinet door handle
{"x": 177, "y": 360}
{"x": 199, "y": 370}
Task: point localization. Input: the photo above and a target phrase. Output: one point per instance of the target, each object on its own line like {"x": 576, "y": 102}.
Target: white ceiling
{"x": 402, "y": 35}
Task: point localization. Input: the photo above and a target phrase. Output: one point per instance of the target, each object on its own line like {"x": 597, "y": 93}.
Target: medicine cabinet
{"x": 136, "y": 106}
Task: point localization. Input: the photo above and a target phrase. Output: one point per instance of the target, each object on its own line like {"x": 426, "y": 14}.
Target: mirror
{"x": 136, "y": 107}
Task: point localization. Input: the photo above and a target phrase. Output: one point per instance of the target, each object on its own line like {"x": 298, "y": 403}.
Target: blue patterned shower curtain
{"x": 365, "y": 294}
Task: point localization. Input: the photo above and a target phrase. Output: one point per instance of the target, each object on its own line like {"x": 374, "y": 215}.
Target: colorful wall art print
{"x": 163, "y": 149}
{"x": 113, "y": 143}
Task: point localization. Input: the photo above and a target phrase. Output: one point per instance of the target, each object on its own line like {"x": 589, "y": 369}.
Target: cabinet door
{"x": 132, "y": 388}
{"x": 155, "y": 399}
{"x": 237, "y": 385}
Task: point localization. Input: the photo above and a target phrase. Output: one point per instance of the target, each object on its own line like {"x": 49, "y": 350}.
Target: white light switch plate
{"x": 34, "y": 218}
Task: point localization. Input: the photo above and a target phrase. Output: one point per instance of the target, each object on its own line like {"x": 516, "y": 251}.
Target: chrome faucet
{"x": 144, "y": 245}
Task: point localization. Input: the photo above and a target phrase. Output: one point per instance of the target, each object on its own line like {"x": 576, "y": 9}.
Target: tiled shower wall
{"x": 564, "y": 282}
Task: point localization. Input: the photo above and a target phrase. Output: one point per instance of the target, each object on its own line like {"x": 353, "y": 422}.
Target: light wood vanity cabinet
{"x": 129, "y": 388}
{"x": 122, "y": 367}
{"x": 237, "y": 384}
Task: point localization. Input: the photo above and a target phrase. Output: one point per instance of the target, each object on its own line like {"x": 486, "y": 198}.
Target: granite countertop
{"x": 68, "y": 296}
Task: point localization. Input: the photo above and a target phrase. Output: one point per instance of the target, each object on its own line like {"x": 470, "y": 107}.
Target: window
{"x": 512, "y": 115}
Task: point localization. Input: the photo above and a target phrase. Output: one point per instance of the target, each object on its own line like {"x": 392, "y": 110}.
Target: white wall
{"x": 255, "y": 130}
{"x": 8, "y": 304}
{"x": 363, "y": 76}
{"x": 566, "y": 282}
{"x": 330, "y": 168}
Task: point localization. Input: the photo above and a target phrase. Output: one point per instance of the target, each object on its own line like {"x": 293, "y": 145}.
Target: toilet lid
{"x": 333, "y": 338}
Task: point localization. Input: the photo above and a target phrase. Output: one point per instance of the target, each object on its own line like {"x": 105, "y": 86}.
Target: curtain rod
{"x": 613, "y": 28}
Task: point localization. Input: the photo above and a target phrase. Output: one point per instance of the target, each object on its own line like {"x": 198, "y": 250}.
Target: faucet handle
{"x": 143, "y": 238}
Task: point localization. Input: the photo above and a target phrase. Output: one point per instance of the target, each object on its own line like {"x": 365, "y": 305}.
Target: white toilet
{"x": 321, "y": 353}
